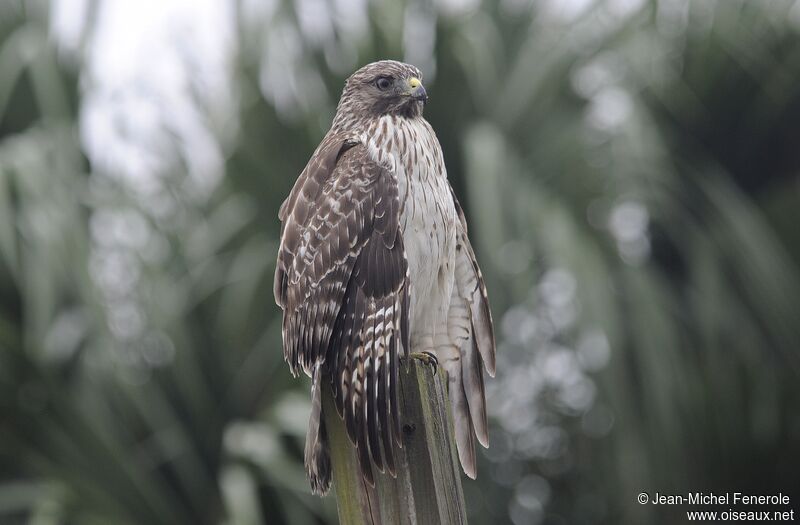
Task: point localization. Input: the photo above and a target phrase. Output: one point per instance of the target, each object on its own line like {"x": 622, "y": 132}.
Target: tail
{"x": 317, "y": 457}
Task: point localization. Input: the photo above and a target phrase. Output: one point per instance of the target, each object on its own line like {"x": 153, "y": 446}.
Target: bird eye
{"x": 383, "y": 83}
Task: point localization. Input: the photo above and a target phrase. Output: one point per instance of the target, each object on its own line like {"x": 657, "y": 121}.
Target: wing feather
{"x": 370, "y": 390}
{"x": 341, "y": 279}
{"x": 472, "y": 376}
{"x": 479, "y": 297}
{"x": 469, "y": 347}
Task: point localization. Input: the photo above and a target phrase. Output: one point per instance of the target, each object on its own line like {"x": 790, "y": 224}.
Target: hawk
{"x": 374, "y": 261}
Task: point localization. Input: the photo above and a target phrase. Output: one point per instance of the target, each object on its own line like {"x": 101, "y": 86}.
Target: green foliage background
{"x": 630, "y": 174}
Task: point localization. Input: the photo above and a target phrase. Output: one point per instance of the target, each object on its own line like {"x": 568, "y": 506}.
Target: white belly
{"x": 427, "y": 220}
{"x": 429, "y": 237}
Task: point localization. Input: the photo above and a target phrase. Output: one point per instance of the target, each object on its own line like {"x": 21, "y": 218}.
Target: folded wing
{"x": 469, "y": 349}
{"x": 341, "y": 279}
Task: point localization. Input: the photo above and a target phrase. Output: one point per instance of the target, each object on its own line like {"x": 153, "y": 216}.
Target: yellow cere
{"x": 414, "y": 82}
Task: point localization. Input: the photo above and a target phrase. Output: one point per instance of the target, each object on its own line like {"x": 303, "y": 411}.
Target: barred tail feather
{"x": 317, "y": 456}
{"x": 472, "y": 377}
{"x": 462, "y": 422}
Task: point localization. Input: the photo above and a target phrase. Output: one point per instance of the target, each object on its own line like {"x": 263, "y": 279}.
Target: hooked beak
{"x": 416, "y": 90}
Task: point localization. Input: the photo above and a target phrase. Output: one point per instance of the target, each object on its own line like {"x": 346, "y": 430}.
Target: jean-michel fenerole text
{"x": 722, "y": 498}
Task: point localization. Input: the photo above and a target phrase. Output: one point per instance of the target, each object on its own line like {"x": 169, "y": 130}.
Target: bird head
{"x": 385, "y": 87}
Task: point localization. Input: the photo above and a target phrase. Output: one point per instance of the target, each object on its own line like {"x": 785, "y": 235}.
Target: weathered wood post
{"x": 427, "y": 489}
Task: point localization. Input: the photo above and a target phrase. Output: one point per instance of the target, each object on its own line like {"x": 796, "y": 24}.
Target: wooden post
{"x": 427, "y": 489}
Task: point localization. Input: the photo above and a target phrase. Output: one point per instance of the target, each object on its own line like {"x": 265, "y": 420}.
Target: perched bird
{"x": 374, "y": 260}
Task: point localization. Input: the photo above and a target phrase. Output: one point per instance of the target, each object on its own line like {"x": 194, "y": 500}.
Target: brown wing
{"x": 470, "y": 347}
{"x": 341, "y": 280}
{"x": 479, "y": 298}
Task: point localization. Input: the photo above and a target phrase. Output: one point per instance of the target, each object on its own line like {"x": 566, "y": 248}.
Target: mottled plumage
{"x": 374, "y": 262}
